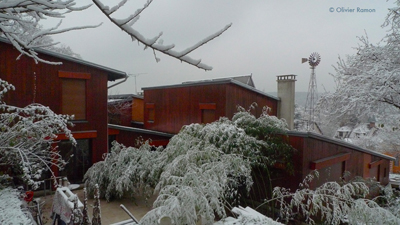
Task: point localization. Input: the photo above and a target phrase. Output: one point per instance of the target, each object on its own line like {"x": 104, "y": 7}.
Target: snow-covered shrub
{"x": 200, "y": 170}
{"x": 332, "y": 203}
{"x": 26, "y": 136}
{"x": 124, "y": 170}
{"x": 5, "y": 181}
{"x": 10, "y": 208}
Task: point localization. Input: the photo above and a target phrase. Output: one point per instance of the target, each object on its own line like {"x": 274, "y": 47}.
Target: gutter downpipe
{"x": 126, "y": 78}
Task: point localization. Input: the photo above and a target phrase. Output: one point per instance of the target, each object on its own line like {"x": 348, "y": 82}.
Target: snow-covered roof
{"x": 139, "y": 130}
{"x": 338, "y": 142}
{"x": 112, "y": 73}
{"x": 345, "y": 129}
{"x": 211, "y": 82}
{"x": 125, "y": 96}
{"x": 361, "y": 129}
{"x": 246, "y": 79}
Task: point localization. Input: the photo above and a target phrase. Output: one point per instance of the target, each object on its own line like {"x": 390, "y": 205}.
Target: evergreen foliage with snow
{"x": 200, "y": 171}
{"x": 26, "y": 138}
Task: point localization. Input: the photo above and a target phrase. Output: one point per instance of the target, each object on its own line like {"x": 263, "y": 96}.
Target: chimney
{"x": 286, "y": 91}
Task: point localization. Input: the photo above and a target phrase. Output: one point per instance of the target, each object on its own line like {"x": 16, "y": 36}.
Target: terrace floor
{"x": 110, "y": 211}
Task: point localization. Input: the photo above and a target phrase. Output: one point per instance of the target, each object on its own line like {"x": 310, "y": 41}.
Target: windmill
{"x": 312, "y": 95}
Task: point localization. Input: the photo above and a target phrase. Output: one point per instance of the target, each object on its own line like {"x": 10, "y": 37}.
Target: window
{"x": 78, "y": 157}
{"x": 207, "y": 111}
{"x": 207, "y": 115}
{"x": 151, "y": 114}
{"x": 73, "y": 94}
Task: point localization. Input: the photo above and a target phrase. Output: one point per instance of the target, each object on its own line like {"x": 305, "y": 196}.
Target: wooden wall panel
{"x": 357, "y": 163}
{"x": 178, "y": 106}
{"x": 236, "y": 95}
{"x": 137, "y": 110}
{"x": 175, "y": 107}
{"x": 40, "y": 83}
{"x": 129, "y": 138}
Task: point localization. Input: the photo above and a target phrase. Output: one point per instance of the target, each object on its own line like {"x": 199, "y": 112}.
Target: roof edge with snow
{"x": 338, "y": 142}
{"x": 140, "y": 130}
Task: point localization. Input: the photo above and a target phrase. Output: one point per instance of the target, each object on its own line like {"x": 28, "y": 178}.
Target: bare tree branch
{"x": 20, "y": 15}
{"x": 126, "y": 26}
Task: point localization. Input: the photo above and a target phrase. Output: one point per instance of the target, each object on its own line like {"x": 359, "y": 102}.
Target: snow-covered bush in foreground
{"x": 332, "y": 203}
{"x": 10, "y": 208}
{"x": 201, "y": 169}
{"x": 124, "y": 170}
{"x": 26, "y": 136}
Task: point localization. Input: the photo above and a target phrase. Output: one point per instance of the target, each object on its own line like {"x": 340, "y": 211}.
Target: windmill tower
{"x": 312, "y": 95}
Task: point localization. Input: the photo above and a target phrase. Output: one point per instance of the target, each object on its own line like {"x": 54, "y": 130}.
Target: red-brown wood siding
{"x": 129, "y": 138}
{"x": 358, "y": 163}
{"x": 239, "y": 96}
{"x": 40, "y": 83}
{"x": 175, "y": 107}
{"x": 178, "y": 106}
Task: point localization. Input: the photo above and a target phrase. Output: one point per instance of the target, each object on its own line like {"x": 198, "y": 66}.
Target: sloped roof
{"x": 338, "y": 142}
{"x": 247, "y": 79}
{"x": 140, "y": 130}
{"x": 112, "y": 73}
{"x": 214, "y": 81}
{"x": 345, "y": 129}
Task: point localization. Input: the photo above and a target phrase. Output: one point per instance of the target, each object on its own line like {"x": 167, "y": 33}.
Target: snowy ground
{"x": 111, "y": 211}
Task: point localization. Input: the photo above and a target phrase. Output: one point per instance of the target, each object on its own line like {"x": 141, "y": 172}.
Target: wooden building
{"x": 168, "y": 108}
{"x": 76, "y": 87}
{"x": 126, "y": 110}
{"x": 331, "y": 158}
{"x": 125, "y": 114}
{"x": 129, "y": 136}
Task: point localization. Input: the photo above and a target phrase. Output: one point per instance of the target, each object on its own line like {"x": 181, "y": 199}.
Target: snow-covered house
{"x": 76, "y": 87}
{"x": 168, "y": 108}
{"x": 165, "y": 109}
{"x": 359, "y": 130}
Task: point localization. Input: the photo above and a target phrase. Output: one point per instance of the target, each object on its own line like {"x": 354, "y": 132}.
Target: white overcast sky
{"x": 267, "y": 38}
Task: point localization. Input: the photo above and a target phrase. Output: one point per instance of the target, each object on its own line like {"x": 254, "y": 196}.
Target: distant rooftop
{"x": 125, "y": 96}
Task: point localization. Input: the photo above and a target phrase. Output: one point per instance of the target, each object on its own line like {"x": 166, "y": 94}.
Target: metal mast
{"x": 312, "y": 95}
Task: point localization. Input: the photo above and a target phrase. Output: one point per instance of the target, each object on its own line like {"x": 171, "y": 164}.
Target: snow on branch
{"x": 26, "y": 138}
{"x": 20, "y": 16}
{"x": 126, "y": 26}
